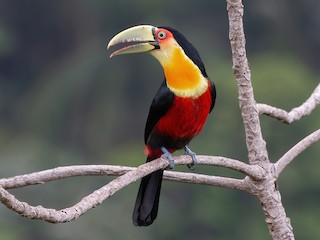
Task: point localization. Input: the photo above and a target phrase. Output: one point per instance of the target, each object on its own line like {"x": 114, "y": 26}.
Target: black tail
{"x": 147, "y": 202}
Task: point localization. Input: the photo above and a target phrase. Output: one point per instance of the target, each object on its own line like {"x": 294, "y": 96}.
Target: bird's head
{"x": 184, "y": 71}
{"x": 164, "y": 43}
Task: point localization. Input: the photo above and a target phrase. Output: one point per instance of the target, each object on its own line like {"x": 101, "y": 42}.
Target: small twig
{"x": 296, "y": 113}
{"x": 295, "y": 151}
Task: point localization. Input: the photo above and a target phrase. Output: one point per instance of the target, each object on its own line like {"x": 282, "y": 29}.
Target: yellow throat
{"x": 183, "y": 77}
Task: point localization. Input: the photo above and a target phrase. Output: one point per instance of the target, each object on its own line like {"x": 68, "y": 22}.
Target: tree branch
{"x": 296, "y": 150}
{"x": 61, "y": 173}
{"x": 255, "y": 144}
{"x": 239, "y": 184}
{"x": 129, "y": 176}
{"x": 88, "y": 202}
{"x": 296, "y": 113}
{"x": 254, "y": 172}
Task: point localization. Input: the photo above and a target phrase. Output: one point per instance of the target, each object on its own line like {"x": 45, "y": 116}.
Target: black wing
{"x": 159, "y": 106}
{"x": 213, "y": 94}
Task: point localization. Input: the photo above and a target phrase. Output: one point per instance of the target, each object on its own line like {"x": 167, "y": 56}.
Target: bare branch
{"x": 296, "y": 150}
{"x": 98, "y": 196}
{"x": 239, "y": 184}
{"x": 254, "y": 172}
{"x": 88, "y": 202}
{"x": 296, "y": 113}
{"x": 62, "y": 172}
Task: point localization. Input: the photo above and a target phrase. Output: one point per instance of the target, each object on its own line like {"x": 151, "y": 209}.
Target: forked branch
{"x": 128, "y": 176}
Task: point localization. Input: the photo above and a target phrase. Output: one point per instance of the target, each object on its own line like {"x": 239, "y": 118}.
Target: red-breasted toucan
{"x": 178, "y": 110}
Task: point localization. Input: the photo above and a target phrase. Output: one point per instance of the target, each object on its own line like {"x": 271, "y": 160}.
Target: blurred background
{"x": 64, "y": 102}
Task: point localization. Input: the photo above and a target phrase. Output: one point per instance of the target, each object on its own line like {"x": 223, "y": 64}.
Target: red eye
{"x": 162, "y": 35}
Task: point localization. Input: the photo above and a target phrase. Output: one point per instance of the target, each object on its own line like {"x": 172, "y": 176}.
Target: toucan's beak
{"x": 140, "y": 39}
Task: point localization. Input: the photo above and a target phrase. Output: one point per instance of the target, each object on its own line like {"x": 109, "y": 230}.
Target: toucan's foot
{"x": 192, "y": 155}
{"x": 169, "y": 156}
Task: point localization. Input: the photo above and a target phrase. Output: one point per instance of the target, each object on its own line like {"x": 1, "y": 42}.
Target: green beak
{"x": 140, "y": 39}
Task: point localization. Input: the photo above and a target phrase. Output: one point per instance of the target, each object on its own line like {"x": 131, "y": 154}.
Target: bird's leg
{"x": 169, "y": 156}
{"x": 192, "y": 155}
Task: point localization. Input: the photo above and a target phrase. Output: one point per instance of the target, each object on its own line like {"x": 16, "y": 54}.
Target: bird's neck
{"x": 183, "y": 77}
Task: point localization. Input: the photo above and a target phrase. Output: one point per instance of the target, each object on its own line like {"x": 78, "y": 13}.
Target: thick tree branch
{"x": 97, "y": 197}
{"x": 265, "y": 190}
{"x": 255, "y": 144}
{"x": 296, "y": 150}
{"x": 296, "y": 113}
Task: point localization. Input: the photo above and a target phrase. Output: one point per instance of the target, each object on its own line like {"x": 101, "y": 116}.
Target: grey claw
{"x": 193, "y": 157}
{"x": 169, "y": 156}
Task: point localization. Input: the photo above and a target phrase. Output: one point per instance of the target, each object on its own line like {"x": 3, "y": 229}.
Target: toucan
{"x": 178, "y": 110}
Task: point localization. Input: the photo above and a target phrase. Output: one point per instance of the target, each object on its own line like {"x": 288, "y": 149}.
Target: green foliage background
{"x": 63, "y": 102}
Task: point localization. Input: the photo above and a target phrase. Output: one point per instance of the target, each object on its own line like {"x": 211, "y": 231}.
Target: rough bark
{"x": 257, "y": 152}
